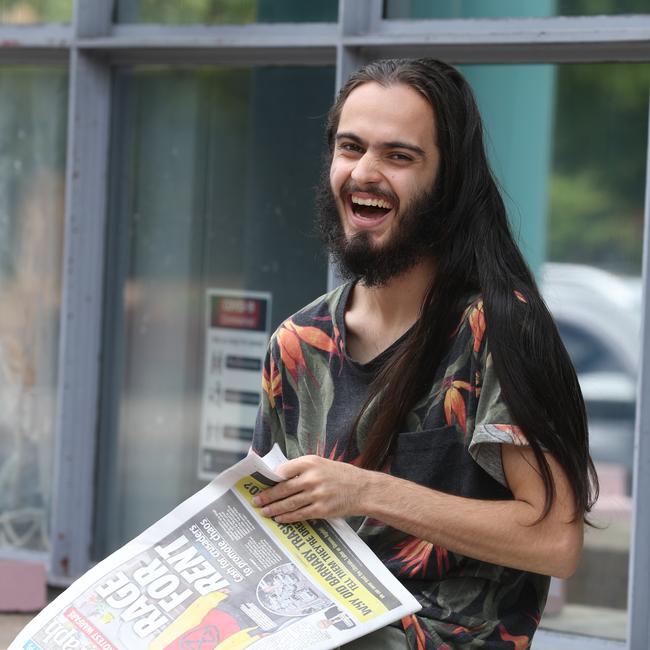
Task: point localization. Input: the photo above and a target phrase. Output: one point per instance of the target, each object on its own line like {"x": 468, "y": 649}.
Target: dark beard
{"x": 358, "y": 258}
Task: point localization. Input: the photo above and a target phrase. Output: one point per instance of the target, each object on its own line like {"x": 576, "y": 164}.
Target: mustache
{"x": 350, "y": 187}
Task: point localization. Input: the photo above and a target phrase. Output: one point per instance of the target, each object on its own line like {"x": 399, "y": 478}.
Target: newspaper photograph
{"x": 214, "y": 573}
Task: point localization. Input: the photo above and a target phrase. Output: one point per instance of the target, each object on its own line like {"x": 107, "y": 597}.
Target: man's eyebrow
{"x": 348, "y": 135}
{"x": 398, "y": 144}
{"x": 393, "y": 144}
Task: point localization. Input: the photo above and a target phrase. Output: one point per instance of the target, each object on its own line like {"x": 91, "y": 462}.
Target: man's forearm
{"x": 500, "y": 532}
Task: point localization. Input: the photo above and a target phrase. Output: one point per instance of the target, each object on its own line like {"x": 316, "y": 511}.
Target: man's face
{"x": 381, "y": 177}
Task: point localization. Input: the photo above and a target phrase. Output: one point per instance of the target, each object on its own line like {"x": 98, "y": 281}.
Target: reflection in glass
{"x": 225, "y": 12}
{"x": 213, "y": 182}
{"x": 33, "y": 106}
{"x": 400, "y": 9}
{"x": 597, "y": 187}
{"x": 23, "y": 12}
{"x": 573, "y": 171}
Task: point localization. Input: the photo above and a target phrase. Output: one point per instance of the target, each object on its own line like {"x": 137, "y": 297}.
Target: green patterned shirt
{"x": 451, "y": 442}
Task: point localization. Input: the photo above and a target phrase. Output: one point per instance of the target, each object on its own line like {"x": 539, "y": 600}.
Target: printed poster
{"x": 237, "y": 334}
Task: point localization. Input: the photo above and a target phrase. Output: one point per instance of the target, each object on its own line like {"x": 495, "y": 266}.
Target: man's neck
{"x": 376, "y": 317}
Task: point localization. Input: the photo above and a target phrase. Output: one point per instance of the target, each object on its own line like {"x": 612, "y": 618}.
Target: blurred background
{"x": 206, "y": 181}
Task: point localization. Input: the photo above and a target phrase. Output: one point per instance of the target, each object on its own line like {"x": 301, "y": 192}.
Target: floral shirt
{"x": 451, "y": 442}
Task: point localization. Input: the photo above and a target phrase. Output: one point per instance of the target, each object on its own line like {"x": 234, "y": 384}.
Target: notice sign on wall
{"x": 237, "y": 333}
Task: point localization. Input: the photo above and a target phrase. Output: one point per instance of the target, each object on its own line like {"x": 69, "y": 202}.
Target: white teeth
{"x": 376, "y": 203}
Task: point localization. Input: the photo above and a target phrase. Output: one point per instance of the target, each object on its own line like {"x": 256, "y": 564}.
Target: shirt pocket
{"x": 439, "y": 459}
{"x": 432, "y": 457}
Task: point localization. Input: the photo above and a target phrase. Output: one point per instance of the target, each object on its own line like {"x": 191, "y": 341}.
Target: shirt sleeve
{"x": 268, "y": 426}
{"x": 493, "y": 425}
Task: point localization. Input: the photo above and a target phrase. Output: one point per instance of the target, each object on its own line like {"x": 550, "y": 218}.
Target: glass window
{"x": 573, "y": 171}
{"x": 33, "y": 105}
{"x": 510, "y": 8}
{"x": 225, "y": 11}
{"x": 213, "y": 177}
{"x": 21, "y": 12}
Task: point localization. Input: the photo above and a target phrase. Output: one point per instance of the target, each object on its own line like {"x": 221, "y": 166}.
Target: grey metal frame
{"x": 82, "y": 301}
{"x": 639, "y": 569}
{"x": 92, "y": 44}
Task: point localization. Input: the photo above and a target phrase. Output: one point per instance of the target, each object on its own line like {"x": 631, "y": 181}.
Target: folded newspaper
{"x": 214, "y": 573}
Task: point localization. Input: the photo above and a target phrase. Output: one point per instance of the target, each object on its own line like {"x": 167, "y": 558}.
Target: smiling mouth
{"x": 372, "y": 208}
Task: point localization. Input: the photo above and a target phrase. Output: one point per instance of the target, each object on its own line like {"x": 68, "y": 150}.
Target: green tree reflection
{"x": 193, "y": 11}
{"x": 598, "y": 180}
{"x": 35, "y": 11}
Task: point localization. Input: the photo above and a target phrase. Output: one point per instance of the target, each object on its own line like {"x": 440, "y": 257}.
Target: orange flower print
{"x": 477, "y": 323}
{"x": 455, "y": 404}
{"x": 415, "y": 555}
{"x": 334, "y": 453}
{"x": 313, "y": 337}
{"x": 520, "y": 642}
{"x": 517, "y": 435}
{"x": 290, "y": 336}
{"x": 272, "y": 383}
{"x": 320, "y": 451}
{"x": 412, "y": 622}
{"x": 464, "y": 632}
{"x": 290, "y": 350}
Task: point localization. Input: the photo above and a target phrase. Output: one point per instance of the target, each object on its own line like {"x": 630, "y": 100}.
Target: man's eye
{"x": 350, "y": 146}
{"x": 402, "y": 157}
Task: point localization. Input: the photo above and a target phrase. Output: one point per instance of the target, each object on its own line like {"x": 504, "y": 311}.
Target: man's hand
{"x": 314, "y": 488}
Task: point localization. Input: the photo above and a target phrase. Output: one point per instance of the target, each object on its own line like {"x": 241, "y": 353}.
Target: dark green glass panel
{"x": 212, "y": 183}
{"x": 423, "y": 9}
{"x": 225, "y": 11}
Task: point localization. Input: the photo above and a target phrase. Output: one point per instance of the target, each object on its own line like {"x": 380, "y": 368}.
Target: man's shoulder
{"x": 470, "y": 328}
{"x": 320, "y": 313}
{"x": 325, "y": 305}
{"x": 472, "y": 325}
{"x": 472, "y": 312}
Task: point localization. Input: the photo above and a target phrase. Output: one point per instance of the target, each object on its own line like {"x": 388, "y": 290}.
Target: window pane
{"x": 573, "y": 170}
{"x": 19, "y": 12}
{"x": 213, "y": 190}
{"x": 225, "y": 11}
{"x": 596, "y": 196}
{"x": 510, "y": 8}
{"x": 33, "y": 105}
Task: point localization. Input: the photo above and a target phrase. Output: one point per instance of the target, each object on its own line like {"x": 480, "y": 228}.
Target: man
{"x": 435, "y": 373}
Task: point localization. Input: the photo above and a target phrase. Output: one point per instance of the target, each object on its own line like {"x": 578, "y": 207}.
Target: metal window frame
{"x": 639, "y": 566}
{"x": 92, "y": 45}
{"x": 82, "y": 300}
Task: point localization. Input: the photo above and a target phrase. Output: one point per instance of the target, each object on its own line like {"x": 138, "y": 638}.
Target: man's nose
{"x": 367, "y": 169}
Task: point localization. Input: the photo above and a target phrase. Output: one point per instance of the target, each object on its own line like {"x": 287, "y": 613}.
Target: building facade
{"x": 157, "y": 156}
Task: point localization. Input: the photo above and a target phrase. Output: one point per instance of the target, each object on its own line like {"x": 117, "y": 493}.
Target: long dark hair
{"x": 476, "y": 253}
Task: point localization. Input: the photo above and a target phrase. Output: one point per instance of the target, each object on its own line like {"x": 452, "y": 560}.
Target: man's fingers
{"x": 295, "y": 467}
{"x": 277, "y": 492}
{"x": 284, "y": 506}
{"x": 297, "y": 515}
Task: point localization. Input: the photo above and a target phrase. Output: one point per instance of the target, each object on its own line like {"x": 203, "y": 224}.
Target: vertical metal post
{"x": 355, "y": 17}
{"x": 639, "y": 571}
{"x": 83, "y": 267}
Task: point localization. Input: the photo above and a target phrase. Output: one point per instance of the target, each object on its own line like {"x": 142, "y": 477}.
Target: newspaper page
{"x": 214, "y": 573}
